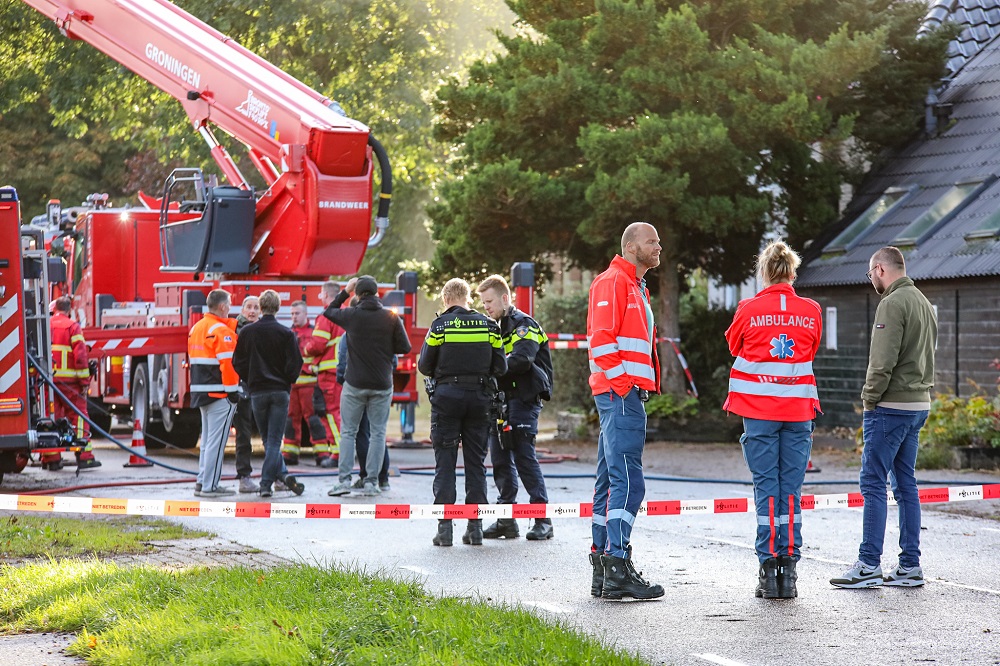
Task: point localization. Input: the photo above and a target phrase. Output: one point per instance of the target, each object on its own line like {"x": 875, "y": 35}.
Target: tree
{"x": 703, "y": 118}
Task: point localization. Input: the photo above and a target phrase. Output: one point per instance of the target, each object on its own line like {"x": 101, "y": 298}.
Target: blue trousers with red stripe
{"x": 620, "y": 486}
{"x": 777, "y": 453}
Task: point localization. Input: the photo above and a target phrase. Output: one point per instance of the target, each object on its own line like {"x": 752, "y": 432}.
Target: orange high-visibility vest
{"x": 210, "y": 352}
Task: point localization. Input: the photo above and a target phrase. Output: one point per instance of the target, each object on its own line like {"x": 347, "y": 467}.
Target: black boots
{"x": 622, "y": 580}
{"x": 787, "y": 578}
{"x": 444, "y": 534}
{"x": 597, "y": 582}
{"x": 541, "y": 531}
{"x": 767, "y": 579}
{"x": 504, "y": 527}
{"x": 473, "y": 533}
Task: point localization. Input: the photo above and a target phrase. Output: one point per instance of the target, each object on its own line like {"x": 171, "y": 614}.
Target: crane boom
{"x": 315, "y": 217}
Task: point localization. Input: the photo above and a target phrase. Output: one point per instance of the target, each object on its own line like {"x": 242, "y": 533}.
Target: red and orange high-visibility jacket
{"x": 69, "y": 350}
{"x": 622, "y": 352}
{"x": 774, "y": 336}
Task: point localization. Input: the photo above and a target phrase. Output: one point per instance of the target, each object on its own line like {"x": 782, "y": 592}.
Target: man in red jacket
{"x": 301, "y": 405}
{"x": 322, "y": 346}
{"x": 71, "y": 373}
{"x": 624, "y": 371}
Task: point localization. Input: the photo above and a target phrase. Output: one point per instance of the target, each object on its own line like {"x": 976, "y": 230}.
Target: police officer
{"x": 527, "y": 382}
{"x": 462, "y": 356}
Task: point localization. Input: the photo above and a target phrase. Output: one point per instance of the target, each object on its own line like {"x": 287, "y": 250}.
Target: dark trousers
{"x": 520, "y": 459}
{"x": 243, "y": 421}
{"x": 270, "y": 408}
{"x": 361, "y": 447}
{"x": 459, "y": 416}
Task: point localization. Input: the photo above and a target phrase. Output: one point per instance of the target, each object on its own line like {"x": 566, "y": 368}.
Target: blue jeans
{"x": 361, "y": 448}
{"x": 777, "y": 453}
{"x": 890, "y": 452}
{"x": 270, "y": 409}
{"x": 520, "y": 460}
{"x": 353, "y": 403}
{"x": 620, "y": 486}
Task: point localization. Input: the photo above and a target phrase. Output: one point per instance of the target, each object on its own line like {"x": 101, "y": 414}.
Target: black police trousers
{"x": 460, "y": 415}
{"x": 520, "y": 459}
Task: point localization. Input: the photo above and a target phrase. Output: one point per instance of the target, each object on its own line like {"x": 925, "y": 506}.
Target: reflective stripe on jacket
{"x": 774, "y": 336}
{"x": 308, "y": 374}
{"x": 621, "y": 353}
{"x": 69, "y": 350}
{"x": 322, "y": 345}
{"x": 211, "y": 343}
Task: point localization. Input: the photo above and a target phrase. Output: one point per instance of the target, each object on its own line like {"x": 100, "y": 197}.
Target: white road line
{"x": 541, "y": 605}
{"x": 716, "y": 659}
{"x": 750, "y": 546}
{"x": 416, "y": 570}
{"x": 990, "y": 529}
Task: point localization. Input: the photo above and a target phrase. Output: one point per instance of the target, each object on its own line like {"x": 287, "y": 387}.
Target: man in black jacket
{"x": 527, "y": 382}
{"x": 374, "y": 336}
{"x": 267, "y": 359}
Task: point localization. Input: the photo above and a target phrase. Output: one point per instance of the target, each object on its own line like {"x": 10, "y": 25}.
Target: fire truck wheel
{"x": 154, "y": 434}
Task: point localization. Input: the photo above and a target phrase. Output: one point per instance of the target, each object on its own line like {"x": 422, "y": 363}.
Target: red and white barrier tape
{"x": 152, "y": 507}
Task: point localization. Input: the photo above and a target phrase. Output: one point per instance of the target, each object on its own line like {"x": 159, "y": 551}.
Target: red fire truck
{"x": 139, "y": 275}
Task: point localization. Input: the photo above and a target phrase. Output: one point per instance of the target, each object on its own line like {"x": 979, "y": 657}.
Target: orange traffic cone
{"x": 138, "y": 446}
{"x": 812, "y": 469}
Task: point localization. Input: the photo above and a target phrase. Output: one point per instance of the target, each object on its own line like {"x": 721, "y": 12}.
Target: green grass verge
{"x": 285, "y": 616}
{"x": 24, "y": 535}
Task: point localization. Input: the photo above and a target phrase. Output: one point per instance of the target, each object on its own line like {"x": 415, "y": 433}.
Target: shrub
{"x": 668, "y": 406}
{"x": 956, "y": 421}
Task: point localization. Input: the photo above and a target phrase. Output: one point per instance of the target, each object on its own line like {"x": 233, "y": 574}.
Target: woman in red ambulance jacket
{"x": 774, "y": 337}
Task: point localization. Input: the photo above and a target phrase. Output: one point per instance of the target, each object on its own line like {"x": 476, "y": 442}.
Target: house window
{"x": 988, "y": 229}
{"x": 944, "y": 209}
{"x": 831, "y": 328}
{"x": 884, "y": 205}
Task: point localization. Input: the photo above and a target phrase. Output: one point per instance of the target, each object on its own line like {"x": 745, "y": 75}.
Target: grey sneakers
{"x": 370, "y": 490}
{"x": 340, "y": 489}
{"x": 902, "y": 577}
{"x": 247, "y": 485}
{"x": 859, "y": 576}
{"x": 220, "y": 491}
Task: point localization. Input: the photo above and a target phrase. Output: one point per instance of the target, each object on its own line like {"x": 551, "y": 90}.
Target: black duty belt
{"x": 464, "y": 381}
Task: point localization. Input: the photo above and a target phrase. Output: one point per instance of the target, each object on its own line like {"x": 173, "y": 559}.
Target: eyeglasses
{"x": 869, "y": 273}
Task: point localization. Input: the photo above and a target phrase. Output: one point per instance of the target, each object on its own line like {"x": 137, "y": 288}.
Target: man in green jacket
{"x": 896, "y": 399}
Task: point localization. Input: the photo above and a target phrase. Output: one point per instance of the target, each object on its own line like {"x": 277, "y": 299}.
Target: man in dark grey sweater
{"x": 897, "y": 400}
{"x": 267, "y": 359}
{"x": 374, "y": 336}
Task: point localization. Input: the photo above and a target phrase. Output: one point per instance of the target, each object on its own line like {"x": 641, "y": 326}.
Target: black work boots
{"x": 622, "y": 580}
{"x": 767, "y": 579}
{"x": 787, "y": 578}
{"x": 505, "y": 528}
{"x": 473, "y": 533}
{"x": 597, "y": 582}
{"x": 444, "y": 533}
{"x": 541, "y": 531}
{"x": 776, "y": 579}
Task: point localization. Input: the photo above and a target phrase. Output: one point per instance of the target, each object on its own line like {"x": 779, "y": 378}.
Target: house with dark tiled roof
{"x": 937, "y": 200}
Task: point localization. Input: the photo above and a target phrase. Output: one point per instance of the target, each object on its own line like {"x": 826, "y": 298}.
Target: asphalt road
{"x": 706, "y": 563}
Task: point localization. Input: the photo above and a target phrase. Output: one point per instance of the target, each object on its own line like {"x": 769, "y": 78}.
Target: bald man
{"x": 624, "y": 371}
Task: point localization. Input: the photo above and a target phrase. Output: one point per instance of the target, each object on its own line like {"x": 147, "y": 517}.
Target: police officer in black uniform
{"x": 527, "y": 382}
{"x": 462, "y": 356}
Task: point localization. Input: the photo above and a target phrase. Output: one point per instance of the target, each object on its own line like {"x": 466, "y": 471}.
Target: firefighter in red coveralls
{"x": 322, "y": 345}
{"x": 775, "y": 336}
{"x": 301, "y": 404}
{"x": 71, "y": 373}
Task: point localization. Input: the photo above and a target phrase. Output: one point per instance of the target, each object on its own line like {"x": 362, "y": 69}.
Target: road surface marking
{"x": 417, "y": 570}
{"x": 716, "y": 659}
{"x": 541, "y": 605}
